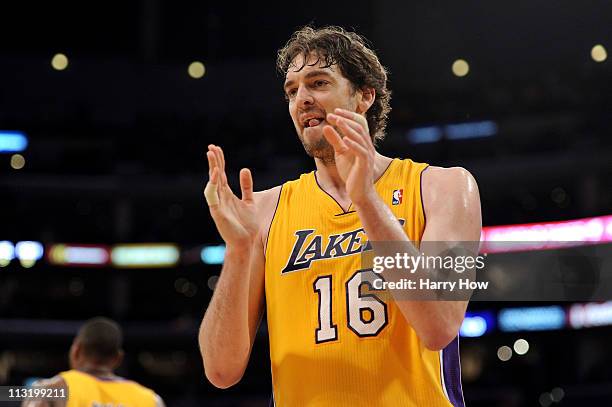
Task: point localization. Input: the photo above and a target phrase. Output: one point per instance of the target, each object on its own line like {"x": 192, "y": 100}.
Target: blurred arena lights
{"x": 462, "y": 131}
{"x": 599, "y": 53}
{"x": 531, "y": 319}
{"x": 196, "y": 70}
{"x": 29, "y": 252}
{"x": 7, "y": 253}
{"x": 144, "y": 255}
{"x": 78, "y": 255}
{"x": 17, "y": 161}
{"x": 12, "y": 141}
{"x": 213, "y": 254}
{"x": 521, "y": 346}
{"x": 212, "y": 282}
{"x": 476, "y": 324}
{"x": 29, "y": 382}
{"x": 545, "y": 399}
{"x": 557, "y": 394}
{"x": 59, "y": 62}
{"x": 504, "y": 353}
{"x": 590, "y": 315}
{"x": 422, "y": 135}
{"x": 473, "y": 327}
{"x": 546, "y": 235}
{"x": 457, "y": 131}
{"x": 461, "y": 68}
{"x": 185, "y": 287}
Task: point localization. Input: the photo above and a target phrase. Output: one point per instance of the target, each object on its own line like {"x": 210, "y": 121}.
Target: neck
{"x": 328, "y": 176}
{"x": 96, "y": 370}
{"x": 330, "y": 181}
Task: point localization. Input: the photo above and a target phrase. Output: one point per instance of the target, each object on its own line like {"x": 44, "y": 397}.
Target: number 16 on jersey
{"x": 366, "y": 313}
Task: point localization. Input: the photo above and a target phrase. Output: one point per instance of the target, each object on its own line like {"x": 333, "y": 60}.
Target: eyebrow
{"x": 309, "y": 74}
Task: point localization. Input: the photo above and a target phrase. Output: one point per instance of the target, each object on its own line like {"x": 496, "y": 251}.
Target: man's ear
{"x": 367, "y": 97}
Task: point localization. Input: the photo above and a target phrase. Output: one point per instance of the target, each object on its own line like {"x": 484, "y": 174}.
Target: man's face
{"x": 313, "y": 92}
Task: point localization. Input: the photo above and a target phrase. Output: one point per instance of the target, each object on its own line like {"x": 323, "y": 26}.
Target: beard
{"x": 320, "y": 149}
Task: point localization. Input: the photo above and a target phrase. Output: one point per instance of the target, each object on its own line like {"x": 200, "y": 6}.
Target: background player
{"x": 301, "y": 243}
{"x": 94, "y": 355}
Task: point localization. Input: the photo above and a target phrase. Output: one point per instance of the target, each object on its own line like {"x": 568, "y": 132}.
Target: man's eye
{"x": 291, "y": 93}
{"x": 320, "y": 83}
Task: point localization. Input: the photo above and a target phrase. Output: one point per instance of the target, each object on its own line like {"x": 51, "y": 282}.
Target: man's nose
{"x": 303, "y": 97}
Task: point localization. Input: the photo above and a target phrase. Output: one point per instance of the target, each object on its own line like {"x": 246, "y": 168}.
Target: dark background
{"x": 117, "y": 144}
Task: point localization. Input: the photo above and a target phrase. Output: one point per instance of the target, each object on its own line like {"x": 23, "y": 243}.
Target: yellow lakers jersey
{"x": 85, "y": 390}
{"x": 330, "y": 343}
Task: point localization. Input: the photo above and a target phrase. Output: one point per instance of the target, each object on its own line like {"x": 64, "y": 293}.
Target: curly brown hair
{"x": 357, "y": 62}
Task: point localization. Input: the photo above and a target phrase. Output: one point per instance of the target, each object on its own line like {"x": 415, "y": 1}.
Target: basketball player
{"x": 94, "y": 355}
{"x": 297, "y": 247}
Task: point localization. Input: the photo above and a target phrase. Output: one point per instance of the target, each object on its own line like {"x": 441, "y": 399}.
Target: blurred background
{"x": 106, "y": 109}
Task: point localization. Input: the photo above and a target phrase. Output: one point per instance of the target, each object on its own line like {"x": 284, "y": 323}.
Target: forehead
{"x": 301, "y": 66}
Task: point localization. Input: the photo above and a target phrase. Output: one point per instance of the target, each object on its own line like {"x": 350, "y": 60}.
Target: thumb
{"x": 246, "y": 185}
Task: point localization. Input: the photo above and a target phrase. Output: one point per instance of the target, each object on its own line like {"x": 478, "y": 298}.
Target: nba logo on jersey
{"x": 397, "y": 196}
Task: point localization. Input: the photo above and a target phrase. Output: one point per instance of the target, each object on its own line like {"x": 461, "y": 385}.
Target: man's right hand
{"x": 235, "y": 218}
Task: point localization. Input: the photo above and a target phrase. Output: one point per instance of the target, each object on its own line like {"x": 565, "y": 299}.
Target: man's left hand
{"x": 354, "y": 152}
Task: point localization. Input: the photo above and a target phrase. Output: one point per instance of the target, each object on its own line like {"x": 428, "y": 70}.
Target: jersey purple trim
{"x": 452, "y": 373}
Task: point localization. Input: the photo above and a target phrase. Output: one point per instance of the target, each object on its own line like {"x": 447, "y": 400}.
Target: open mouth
{"x": 313, "y": 122}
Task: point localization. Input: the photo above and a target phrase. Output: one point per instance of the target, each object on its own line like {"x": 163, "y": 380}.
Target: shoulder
{"x": 159, "y": 402}
{"x": 454, "y": 180}
{"x": 267, "y": 197}
{"x": 266, "y": 202}
{"x": 56, "y": 382}
{"x": 146, "y": 392}
{"x": 449, "y": 191}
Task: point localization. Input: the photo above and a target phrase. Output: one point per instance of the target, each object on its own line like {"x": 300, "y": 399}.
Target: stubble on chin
{"x": 320, "y": 149}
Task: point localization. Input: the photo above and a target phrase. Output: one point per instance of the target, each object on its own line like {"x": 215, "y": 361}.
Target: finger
{"x": 220, "y": 164}
{"x": 210, "y": 156}
{"x": 222, "y": 158}
{"x": 336, "y": 120}
{"x": 356, "y": 148}
{"x": 210, "y": 192}
{"x": 353, "y": 116}
{"x": 357, "y": 126}
{"x": 333, "y": 138}
{"x": 246, "y": 184}
{"x": 214, "y": 176}
{"x": 350, "y": 132}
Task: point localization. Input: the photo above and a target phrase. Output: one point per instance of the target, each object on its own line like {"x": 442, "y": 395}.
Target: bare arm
{"x": 230, "y": 323}
{"x": 54, "y": 383}
{"x": 452, "y": 207}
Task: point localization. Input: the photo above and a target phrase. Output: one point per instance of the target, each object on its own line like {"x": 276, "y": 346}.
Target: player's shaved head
{"x": 100, "y": 339}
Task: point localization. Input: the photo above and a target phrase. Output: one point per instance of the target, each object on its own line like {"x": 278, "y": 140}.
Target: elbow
{"x": 222, "y": 371}
{"x": 223, "y": 378}
{"x": 222, "y": 368}
{"x": 438, "y": 339}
